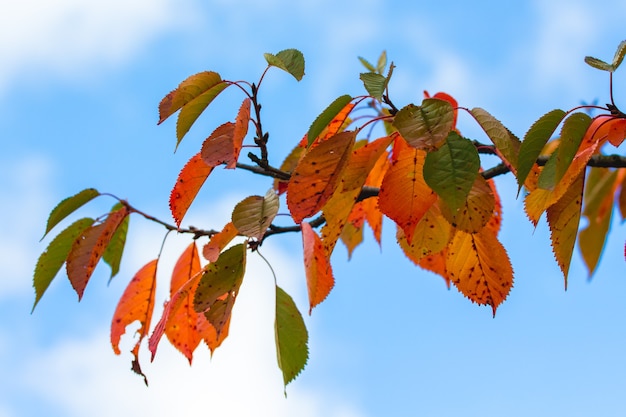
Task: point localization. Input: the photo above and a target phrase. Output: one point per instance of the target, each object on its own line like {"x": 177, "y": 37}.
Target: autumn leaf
{"x": 427, "y": 126}
{"x": 436, "y": 263}
{"x": 479, "y": 267}
{"x": 315, "y": 177}
{"x": 563, "y": 219}
{"x": 224, "y": 144}
{"x": 253, "y": 215}
{"x": 352, "y": 232}
{"x": 219, "y": 241}
{"x": 53, "y": 258}
{"x": 446, "y": 97}
{"x": 617, "y": 132}
{"x": 288, "y": 165}
{"x": 219, "y": 287}
{"x": 182, "y": 325}
{"x": 319, "y": 274}
{"x": 291, "y": 337}
{"x": 477, "y": 210}
{"x": 68, "y": 206}
{"x": 89, "y": 247}
{"x": 193, "y": 96}
{"x": 451, "y": 170}
{"x": 289, "y": 60}
{"x": 136, "y": 304}
{"x": 431, "y": 236}
{"x": 339, "y": 206}
{"x": 331, "y": 119}
{"x": 373, "y": 215}
{"x": 404, "y": 195}
{"x": 190, "y": 180}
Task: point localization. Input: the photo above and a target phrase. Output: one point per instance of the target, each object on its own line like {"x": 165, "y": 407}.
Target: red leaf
{"x": 88, "y": 249}
{"x": 319, "y": 274}
{"x": 219, "y": 147}
{"x": 189, "y": 182}
{"x": 136, "y": 304}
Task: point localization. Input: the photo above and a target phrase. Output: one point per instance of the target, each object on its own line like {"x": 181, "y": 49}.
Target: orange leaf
{"x": 289, "y": 164}
{"x": 336, "y": 125}
{"x": 189, "y": 182}
{"x": 495, "y": 222}
{"x": 182, "y": 327}
{"x": 315, "y": 177}
{"x": 373, "y": 215}
{"x": 352, "y": 232}
{"x": 339, "y": 206}
{"x": 219, "y": 147}
{"x": 137, "y": 303}
{"x": 88, "y": 249}
{"x": 319, "y": 274}
{"x": 563, "y": 219}
{"x": 617, "y": 132}
{"x": 479, "y": 267}
{"x": 241, "y": 130}
{"x": 218, "y": 242}
{"x": 431, "y": 235}
{"x": 404, "y": 195}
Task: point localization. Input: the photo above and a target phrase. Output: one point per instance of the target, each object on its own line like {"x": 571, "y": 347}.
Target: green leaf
{"x": 53, "y": 258}
{"x": 375, "y": 84}
{"x": 452, "y": 170}
{"x": 535, "y": 139}
{"x": 598, "y": 64}
{"x": 382, "y": 62}
{"x": 619, "y": 55}
{"x": 253, "y": 215}
{"x": 194, "y": 108}
{"x": 68, "y": 206}
{"x": 367, "y": 65}
{"x": 289, "y": 60}
{"x": 327, "y": 116}
{"x": 221, "y": 277}
{"x": 114, "y": 250}
{"x": 507, "y": 144}
{"x": 427, "y": 126}
{"x": 291, "y": 337}
{"x": 547, "y": 177}
{"x": 572, "y": 133}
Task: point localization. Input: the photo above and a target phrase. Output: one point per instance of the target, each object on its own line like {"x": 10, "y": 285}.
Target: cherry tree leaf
{"x": 599, "y": 193}
{"x": 53, "y": 258}
{"x": 218, "y": 148}
{"x": 479, "y": 267}
{"x": 219, "y": 241}
{"x": 68, "y": 206}
{"x": 352, "y": 232}
{"x": 507, "y": 144}
{"x": 89, "y": 247}
{"x": 572, "y": 134}
{"x": 219, "y": 286}
{"x": 374, "y": 83}
{"x": 617, "y": 131}
{"x": 339, "y": 206}
{"x": 182, "y": 325}
{"x": 115, "y": 249}
{"x": 338, "y": 110}
{"x": 289, "y": 164}
{"x": 451, "y": 170}
{"x": 289, "y": 60}
{"x": 599, "y": 64}
{"x": 436, "y": 263}
{"x": 316, "y": 176}
{"x": 563, "y": 219}
{"x": 253, "y": 215}
{"x": 619, "y": 55}
{"x": 431, "y": 236}
{"x": 427, "y": 126}
{"x": 534, "y": 141}
{"x": 291, "y": 336}
{"x": 477, "y": 210}
{"x": 191, "y": 97}
{"x": 136, "y": 304}
{"x": 404, "y": 195}
{"x": 319, "y": 274}
{"x": 190, "y": 180}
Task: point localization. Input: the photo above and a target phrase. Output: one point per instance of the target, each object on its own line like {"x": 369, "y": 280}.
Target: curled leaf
{"x": 253, "y": 215}
{"x": 289, "y": 60}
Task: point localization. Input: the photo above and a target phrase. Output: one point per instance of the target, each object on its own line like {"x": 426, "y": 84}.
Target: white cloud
{"x": 70, "y": 38}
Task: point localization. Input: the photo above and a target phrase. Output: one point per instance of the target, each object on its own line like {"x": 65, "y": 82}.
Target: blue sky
{"x": 79, "y": 87}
